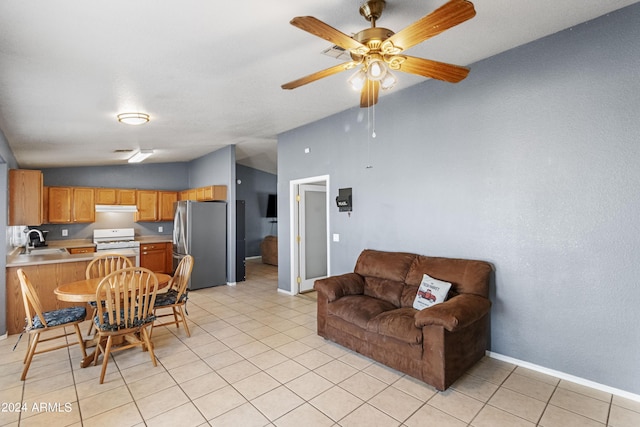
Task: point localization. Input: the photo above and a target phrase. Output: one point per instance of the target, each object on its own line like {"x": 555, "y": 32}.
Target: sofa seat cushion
{"x": 399, "y": 324}
{"x": 358, "y": 309}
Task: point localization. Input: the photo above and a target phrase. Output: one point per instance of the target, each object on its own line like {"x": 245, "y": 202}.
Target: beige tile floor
{"x": 254, "y": 360}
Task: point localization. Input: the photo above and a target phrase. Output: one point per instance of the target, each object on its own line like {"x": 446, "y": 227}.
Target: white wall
{"x": 531, "y": 163}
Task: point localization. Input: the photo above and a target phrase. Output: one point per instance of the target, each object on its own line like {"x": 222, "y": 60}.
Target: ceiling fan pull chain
{"x": 373, "y": 113}
{"x": 369, "y": 166}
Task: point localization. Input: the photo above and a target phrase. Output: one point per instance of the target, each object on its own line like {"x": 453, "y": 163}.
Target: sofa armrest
{"x": 335, "y": 287}
{"x": 456, "y": 313}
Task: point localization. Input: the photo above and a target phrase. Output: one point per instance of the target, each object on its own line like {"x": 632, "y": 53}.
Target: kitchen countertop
{"x": 15, "y": 259}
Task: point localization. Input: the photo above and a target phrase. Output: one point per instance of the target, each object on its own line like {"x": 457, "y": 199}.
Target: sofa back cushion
{"x": 384, "y": 273}
{"x": 466, "y": 276}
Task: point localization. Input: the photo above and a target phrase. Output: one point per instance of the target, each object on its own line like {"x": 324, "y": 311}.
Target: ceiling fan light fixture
{"x": 133, "y": 118}
{"x": 140, "y": 156}
{"x": 376, "y": 69}
{"x": 388, "y": 81}
{"x": 358, "y": 79}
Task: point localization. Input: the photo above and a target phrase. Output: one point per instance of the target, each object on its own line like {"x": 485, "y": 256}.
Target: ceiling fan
{"x": 377, "y": 51}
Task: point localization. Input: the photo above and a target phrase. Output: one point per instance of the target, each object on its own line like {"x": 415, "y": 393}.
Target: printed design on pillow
{"x": 430, "y": 292}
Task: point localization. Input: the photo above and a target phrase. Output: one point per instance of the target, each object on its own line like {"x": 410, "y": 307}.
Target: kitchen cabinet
{"x": 155, "y": 205}
{"x": 84, "y": 205}
{"x": 45, "y": 278}
{"x": 71, "y": 205}
{"x": 115, "y": 196}
{"x": 81, "y": 250}
{"x": 156, "y": 257}
{"x": 219, "y": 192}
{"x": 59, "y": 205}
{"x": 166, "y": 199}
{"x": 211, "y": 192}
{"x": 25, "y": 197}
{"x": 205, "y": 194}
{"x": 147, "y": 205}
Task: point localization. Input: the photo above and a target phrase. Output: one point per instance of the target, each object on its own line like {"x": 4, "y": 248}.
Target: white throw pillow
{"x": 431, "y": 291}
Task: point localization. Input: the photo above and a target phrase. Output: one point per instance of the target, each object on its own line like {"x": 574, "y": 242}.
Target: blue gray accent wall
{"x": 531, "y": 163}
{"x": 254, "y": 186}
{"x": 149, "y": 176}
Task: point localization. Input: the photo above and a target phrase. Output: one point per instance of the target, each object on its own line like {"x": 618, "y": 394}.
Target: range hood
{"x": 116, "y": 208}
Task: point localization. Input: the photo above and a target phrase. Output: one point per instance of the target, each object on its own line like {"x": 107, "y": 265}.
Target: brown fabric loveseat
{"x": 371, "y": 312}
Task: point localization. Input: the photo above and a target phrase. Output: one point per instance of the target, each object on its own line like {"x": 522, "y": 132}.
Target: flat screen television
{"x": 272, "y": 206}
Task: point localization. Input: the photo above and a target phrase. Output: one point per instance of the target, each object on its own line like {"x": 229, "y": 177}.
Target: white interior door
{"x": 312, "y": 235}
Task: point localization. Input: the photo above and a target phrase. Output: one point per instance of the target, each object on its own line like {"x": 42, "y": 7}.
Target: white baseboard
{"x": 4, "y": 337}
{"x": 286, "y": 292}
{"x": 565, "y": 376}
{"x": 254, "y": 257}
{"x": 231, "y": 283}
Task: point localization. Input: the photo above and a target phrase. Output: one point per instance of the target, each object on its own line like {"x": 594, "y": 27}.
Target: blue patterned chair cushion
{"x": 60, "y": 317}
{"x": 106, "y": 326}
{"x": 169, "y": 298}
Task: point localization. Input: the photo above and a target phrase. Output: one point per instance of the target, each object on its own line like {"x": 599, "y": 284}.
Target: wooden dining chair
{"x": 124, "y": 306}
{"x": 176, "y": 296}
{"x": 39, "y": 322}
{"x": 101, "y": 266}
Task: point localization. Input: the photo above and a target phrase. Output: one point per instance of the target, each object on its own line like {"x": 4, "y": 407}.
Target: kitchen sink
{"x": 44, "y": 251}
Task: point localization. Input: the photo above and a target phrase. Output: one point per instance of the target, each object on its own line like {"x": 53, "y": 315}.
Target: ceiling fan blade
{"x": 327, "y": 32}
{"x": 449, "y": 15}
{"x": 369, "y": 93}
{"x": 434, "y": 69}
{"x": 318, "y": 75}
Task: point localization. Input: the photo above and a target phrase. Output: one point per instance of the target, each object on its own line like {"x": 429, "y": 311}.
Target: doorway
{"x": 310, "y": 232}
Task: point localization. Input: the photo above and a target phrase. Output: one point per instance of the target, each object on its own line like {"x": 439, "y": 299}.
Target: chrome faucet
{"x": 27, "y": 248}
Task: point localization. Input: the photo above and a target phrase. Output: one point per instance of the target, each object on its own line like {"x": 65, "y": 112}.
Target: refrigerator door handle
{"x": 179, "y": 232}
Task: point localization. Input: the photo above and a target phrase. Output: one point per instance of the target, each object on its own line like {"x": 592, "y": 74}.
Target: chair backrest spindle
{"x": 103, "y": 265}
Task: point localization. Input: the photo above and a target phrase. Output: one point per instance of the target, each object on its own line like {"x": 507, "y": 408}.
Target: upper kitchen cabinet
{"x": 155, "y": 205}
{"x": 71, "y": 205}
{"x": 25, "y": 197}
{"x": 115, "y": 196}
{"x": 205, "y": 194}
{"x": 166, "y": 199}
{"x": 84, "y": 205}
{"x": 147, "y": 205}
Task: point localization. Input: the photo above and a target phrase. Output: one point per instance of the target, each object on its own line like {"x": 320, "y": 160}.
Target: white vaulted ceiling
{"x": 209, "y": 72}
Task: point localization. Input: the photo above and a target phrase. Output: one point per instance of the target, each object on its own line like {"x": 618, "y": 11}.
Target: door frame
{"x": 293, "y": 211}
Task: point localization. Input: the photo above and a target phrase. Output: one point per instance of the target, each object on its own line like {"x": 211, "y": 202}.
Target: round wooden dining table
{"x": 85, "y": 290}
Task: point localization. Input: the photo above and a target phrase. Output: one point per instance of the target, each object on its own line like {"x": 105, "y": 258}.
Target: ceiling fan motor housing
{"x": 372, "y": 38}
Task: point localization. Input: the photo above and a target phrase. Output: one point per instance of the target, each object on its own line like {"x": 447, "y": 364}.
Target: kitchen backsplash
{"x": 16, "y": 236}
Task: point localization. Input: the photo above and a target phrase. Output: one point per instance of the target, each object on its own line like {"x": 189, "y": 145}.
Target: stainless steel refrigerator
{"x": 200, "y": 230}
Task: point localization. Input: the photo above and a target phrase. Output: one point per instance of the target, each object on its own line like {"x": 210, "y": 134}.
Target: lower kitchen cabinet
{"x": 156, "y": 257}
{"x": 45, "y": 278}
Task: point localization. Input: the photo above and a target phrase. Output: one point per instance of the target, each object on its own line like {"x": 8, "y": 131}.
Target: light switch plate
{"x": 336, "y": 237}
{"x": 65, "y": 232}
{"x": 160, "y": 229}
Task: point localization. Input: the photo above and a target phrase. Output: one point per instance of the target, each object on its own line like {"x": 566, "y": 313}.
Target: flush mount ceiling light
{"x": 133, "y": 118}
{"x": 140, "y": 156}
